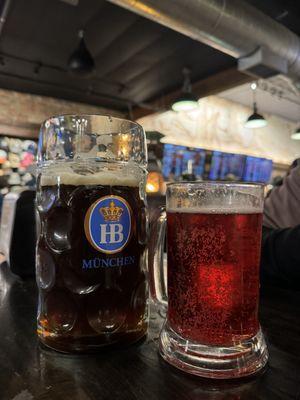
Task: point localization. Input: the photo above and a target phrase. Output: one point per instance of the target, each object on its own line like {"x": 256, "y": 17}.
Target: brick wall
{"x": 22, "y": 114}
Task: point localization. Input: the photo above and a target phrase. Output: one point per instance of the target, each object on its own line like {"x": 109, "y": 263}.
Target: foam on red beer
{"x": 213, "y": 275}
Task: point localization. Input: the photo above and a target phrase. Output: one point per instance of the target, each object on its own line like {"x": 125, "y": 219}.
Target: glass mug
{"x": 92, "y": 237}
{"x": 212, "y": 288}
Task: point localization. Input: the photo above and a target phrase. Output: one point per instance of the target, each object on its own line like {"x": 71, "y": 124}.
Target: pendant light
{"x": 81, "y": 61}
{"x": 296, "y": 134}
{"x": 255, "y": 120}
{"x": 187, "y": 100}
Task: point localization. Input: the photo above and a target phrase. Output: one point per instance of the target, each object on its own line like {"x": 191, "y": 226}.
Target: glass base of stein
{"x": 243, "y": 359}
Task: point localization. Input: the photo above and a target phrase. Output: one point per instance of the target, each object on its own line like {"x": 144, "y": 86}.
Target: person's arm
{"x": 281, "y": 209}
{"x": 280, "y": 261}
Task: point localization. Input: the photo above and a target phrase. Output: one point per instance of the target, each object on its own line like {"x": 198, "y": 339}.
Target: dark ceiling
{"x": 136, "y": 60}
{"x": 287, "y": 12}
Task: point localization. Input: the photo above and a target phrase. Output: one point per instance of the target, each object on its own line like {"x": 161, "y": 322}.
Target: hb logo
{"x": 107, "y": 224}
{"x": 111, "y": 233}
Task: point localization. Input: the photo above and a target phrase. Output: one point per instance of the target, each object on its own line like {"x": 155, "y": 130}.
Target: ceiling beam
{"x": 209, "y": 86}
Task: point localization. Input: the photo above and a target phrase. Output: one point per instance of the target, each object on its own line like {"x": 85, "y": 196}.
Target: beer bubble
{"x": 58, "y": 229}
{"x": 192, "y": 193}
{"x": 45, "y": 270}
{"x": 106, "y": 311}
{"x": 59, "y": 312}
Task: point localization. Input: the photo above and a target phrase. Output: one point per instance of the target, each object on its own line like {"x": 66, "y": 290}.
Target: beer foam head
{"x": 212, "y": 210}
{"x": 58, "y": 175}
{"x": 215, "y": 198}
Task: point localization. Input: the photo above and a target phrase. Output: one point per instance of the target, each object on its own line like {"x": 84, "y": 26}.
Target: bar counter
{"x": 28, "y": 371}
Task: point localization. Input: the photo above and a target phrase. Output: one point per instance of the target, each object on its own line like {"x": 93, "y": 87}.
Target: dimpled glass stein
{"x": 92, "y": 236}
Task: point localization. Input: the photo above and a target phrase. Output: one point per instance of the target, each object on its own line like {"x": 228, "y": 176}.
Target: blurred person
{"x": 280, "y": 258}
{"x": 282, "y": 206}
{"x": 280, "y": 261}
{"x": 277, "y": 181}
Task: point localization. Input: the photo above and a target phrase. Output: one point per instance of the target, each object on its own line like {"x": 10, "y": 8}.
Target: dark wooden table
{"x": 29, "y": 372}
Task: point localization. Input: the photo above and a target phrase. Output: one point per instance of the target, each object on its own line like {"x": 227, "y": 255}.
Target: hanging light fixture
{"x": 255, "y": 120}
{"x": 81, "y": 61}
{"x": 187, "y": 100}
{"x": 296, "y": 134}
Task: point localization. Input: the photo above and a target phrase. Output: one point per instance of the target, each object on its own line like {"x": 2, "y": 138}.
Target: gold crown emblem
{"x": 111, "y": 213}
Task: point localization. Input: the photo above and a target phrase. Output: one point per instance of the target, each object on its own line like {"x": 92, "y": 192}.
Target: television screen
{"x": 257, "y": 169}
{"x": 199, "y": 162}
{"x": 216, "y": 161}
{"x": 176, "y": 159}
{"x": 236, "y": 165}
{"x": 223, "y": 166}
{"x": 265, "y": 170}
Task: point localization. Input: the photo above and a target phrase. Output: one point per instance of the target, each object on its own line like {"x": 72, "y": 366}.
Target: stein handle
{"x": 157, "y": 266}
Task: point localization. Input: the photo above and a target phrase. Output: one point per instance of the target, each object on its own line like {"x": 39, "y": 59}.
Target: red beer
{"x": 213, "y": 275}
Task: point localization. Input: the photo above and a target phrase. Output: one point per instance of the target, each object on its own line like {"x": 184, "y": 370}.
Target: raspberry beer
{"x": 218, "y": 254}
{"x": 91, "y": 265}
{"x": 213, "y": 253}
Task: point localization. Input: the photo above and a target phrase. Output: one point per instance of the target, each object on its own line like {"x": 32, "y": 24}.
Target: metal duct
{"x": 231, "y": 26}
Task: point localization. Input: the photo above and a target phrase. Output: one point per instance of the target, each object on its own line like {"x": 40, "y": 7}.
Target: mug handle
{"x": 157, "y": 266}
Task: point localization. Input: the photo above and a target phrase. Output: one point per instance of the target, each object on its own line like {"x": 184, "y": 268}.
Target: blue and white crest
{"x": 107, "y": 224}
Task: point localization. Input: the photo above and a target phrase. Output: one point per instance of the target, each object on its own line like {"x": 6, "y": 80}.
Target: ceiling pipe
{"x": 231, "y": 26}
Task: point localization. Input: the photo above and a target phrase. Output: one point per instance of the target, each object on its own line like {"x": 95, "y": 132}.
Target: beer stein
{"x": 92, "y": 233}
{"x": 212, "y": 289}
